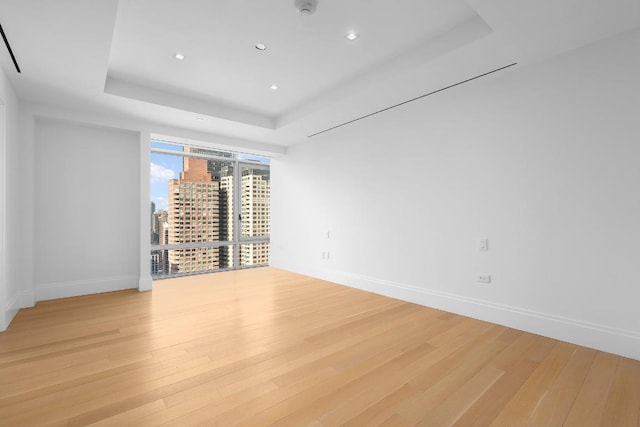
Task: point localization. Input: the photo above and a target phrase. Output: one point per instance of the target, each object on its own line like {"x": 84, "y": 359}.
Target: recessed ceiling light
{"x": 274, "y": 87}
{"x": 179, "y": 56}
{"x": 351, "y": 36}
{"x": 261, "y": 46}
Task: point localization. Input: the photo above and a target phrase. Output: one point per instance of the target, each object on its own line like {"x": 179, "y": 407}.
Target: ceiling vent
{"x": 414, "y": 99}
{"x": 306, "y": 7}
{"x": 6, "y": 43}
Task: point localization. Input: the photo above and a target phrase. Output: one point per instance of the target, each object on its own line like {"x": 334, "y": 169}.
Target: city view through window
{"x": 210, "y": 210}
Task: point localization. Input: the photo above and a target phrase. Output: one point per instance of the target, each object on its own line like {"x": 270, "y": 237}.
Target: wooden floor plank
{"x": 269, "y": 347}
{"x": 489, "y": 405}
{"x": 519, "y": 409}
{"x": 383, "y": 409}
{"x": 554, "y": 408}
{"x": 447, "y": 385}
{"x": 456, "y": 404}
{"x": 588, "y": 408}
{"x": 623, "y": 404}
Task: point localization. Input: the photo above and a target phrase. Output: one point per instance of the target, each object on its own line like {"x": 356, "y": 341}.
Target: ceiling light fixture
{"x": 351, "y": 36}
{"x": 306, "y": 7}
{"x": 199, "y": 119}
{"x": 179, "y": 56}
{"x": 274, "y": 87}
{"x": 261, "y": 46}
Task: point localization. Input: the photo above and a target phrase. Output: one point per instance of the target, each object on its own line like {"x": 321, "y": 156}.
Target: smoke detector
{"x": 306, "y": 7}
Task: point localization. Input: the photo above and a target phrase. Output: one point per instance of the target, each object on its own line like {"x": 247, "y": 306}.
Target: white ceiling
{"x": 117, "y": 57}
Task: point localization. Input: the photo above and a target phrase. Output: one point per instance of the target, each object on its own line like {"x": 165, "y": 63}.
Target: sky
{"x": 163, "y": 168}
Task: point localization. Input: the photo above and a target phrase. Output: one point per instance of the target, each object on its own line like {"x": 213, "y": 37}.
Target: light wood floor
{"x": 263, "y": 346}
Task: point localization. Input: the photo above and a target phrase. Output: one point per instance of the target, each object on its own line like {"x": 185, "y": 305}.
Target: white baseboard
{"x": 76, "y": 288}
{"x": 14, "y": 304}
{"x": 601, "y": 337}
{"x": 9, "y": 313}
{"x": 145, "y": 284}
{"x": 27, "y": 299}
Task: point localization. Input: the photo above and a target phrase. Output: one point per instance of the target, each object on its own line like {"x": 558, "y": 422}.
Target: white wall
{"x": 10, "y": 243}
{"x": 3, "y": 269}
{"x": 87, "y": 209}
{"x": 543, "y": 161}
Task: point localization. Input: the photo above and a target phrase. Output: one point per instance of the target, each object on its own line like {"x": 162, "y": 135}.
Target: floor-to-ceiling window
{"x": 210, "y": 210}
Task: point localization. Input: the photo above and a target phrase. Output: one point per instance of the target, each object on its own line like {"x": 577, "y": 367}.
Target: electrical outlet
{"x": 483, "y": 278}
{"x": 483, "y": 245}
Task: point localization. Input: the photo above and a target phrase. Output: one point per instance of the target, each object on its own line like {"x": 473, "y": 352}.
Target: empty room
{"x": 320, "y": 213}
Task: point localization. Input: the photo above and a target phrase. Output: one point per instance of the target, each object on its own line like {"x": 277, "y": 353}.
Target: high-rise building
{"x": 158, "y": 218}
{"x": 160, "y": 236}
{"x": 255, "y": 210}
{"x": 157, "y": 221}
{"x": 226, "y": 216}
{"x": 154, "y": 235}
{"x": 193, "y": 217}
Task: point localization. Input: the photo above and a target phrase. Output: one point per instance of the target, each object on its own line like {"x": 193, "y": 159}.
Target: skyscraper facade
{"x": 160, "y": 236}
{"x": 255, "y": 187}
{"x": 226, "y": 216}
{"x": 193, "y": 217}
